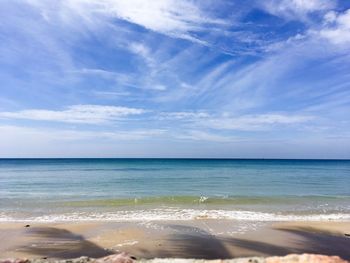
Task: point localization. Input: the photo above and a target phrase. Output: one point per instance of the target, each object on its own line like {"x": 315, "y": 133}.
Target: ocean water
{"x": 173, "y": 189}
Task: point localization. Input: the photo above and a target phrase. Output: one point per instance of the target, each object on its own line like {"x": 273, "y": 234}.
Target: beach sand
{"x": 207, "y": 239}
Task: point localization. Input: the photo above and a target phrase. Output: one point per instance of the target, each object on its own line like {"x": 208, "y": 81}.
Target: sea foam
{"x": 173, "y": 214}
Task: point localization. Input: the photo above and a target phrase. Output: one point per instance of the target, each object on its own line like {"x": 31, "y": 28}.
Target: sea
{"x": 60, "y": 190}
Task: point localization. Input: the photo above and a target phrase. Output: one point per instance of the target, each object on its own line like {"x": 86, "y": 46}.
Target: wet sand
{"x": 207, "y": 239}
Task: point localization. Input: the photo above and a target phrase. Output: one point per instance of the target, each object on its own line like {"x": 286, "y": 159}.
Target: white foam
{"x": 127, "y": 243}
{"x": 202, "y": 199}
{"x": 170, "y": 214}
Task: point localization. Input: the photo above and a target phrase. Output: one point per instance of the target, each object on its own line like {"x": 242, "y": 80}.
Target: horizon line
{"x": 171, "y": 158}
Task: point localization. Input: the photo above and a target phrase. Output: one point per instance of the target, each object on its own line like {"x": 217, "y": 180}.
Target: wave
{"x": 174, "y": 214}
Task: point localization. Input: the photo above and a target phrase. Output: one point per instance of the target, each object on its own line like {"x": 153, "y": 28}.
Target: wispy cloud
{"x": 78, "y": 135}
{"x": 89, "y": 114}
{"x": 255, "y": 122}
{"x": 110, "y": 94}
{"x": 183, "y": 115}
{"x": 297, "y": 9}
{"x": 195, "y": 71}
{"x": 176, "y": 18}
{"x": 144, "y": 52}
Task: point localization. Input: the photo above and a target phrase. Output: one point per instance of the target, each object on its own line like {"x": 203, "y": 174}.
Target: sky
{"x": 175, "y": 78}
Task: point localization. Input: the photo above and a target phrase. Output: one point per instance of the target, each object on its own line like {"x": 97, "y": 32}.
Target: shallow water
{"x": 175, "y": 189}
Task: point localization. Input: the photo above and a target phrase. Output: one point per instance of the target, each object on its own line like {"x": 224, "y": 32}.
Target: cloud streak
{"x": 257, "y": 122}
{"x": 84, "y": 114}
{"x": 176, "y": 18}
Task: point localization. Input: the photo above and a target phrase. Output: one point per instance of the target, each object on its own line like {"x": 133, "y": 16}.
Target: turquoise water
{"x": 181, "y": 189}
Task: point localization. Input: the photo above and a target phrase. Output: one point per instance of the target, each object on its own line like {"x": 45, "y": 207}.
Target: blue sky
{"x": 175, "y": 78}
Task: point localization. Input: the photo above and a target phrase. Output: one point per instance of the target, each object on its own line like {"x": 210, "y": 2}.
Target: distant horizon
{"x": 175, "y": 78}
{"x": 167, "y": 158}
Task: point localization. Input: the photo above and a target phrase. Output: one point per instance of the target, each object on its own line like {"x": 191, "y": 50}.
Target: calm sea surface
{"x": 173, "y": 189}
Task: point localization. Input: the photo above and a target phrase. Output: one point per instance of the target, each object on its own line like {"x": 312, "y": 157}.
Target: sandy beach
{"x": 208, "y": 239}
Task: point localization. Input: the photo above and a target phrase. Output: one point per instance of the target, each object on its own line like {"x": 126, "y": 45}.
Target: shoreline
{"x": 201, "y": 239}
{"x": 170, "y": 213}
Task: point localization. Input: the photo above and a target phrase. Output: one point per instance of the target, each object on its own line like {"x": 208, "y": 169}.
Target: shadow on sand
{"x": 203, "y": 245}
{"x": 191, "y": 242}
{"x": 60, "y": 243}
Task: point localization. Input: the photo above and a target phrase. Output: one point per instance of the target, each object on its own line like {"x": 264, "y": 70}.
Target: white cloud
{"x": 100, "y": 72}
{"x": 144, "y": 52}
{"x": 11, "y": 131}
{"x": 254, "y": 122}
{"x": 90, "y": 114}
{"x": 297, "y": 9}
{"x": 110, "y": 94}
{"x": 158, "y": 87}
{"x": 337, "y": 27}
{"x": 226, "y": 121}
{"x": 183, "y": 115}
{"x": 242, "y": 123}
{"x": 140, "y": 49}
{"x": 175, "y": 18}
